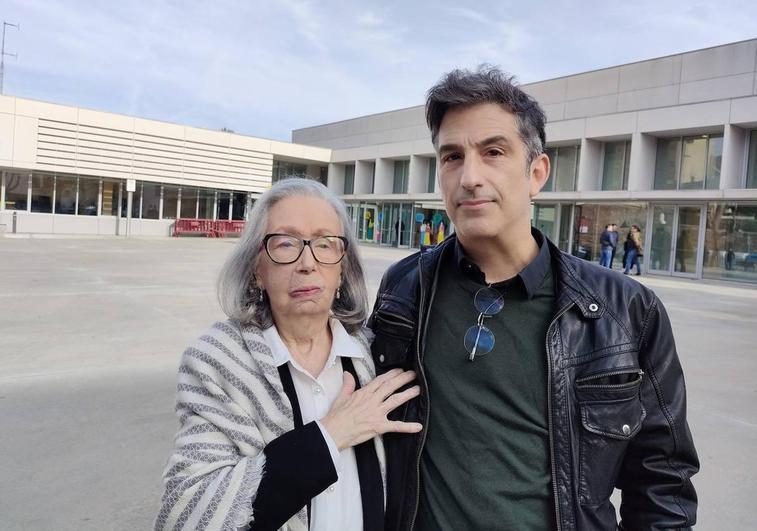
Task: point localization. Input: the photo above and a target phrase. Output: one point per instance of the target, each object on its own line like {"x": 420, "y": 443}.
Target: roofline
{"x": 542, "y": 81}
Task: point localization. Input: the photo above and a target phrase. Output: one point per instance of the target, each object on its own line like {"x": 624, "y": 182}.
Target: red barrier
{"x": 225, "y": 228}
{"x": 211, "y": 228}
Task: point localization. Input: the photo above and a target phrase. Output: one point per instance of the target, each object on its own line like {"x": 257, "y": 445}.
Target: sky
{"x": 264, "y": 68}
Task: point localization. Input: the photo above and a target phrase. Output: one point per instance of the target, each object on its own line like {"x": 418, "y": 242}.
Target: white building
{"x": 669, "y": 144}
{"x": 67, "y": 169}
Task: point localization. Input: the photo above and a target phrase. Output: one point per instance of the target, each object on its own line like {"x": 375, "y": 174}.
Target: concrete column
{"x": 129, "y": 199}
{"x": 589, "y": 165}
{"x": 160, "y": 203}
{"x": 336, "y": 178}
{"x": 641, "y": 168}
{"x": 384, "y": 176}
{"x": 418, "y": 175}
{"x": 734, "y": 154}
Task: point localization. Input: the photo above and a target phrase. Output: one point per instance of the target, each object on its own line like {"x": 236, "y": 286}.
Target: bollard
{"x": 15, "y": 222}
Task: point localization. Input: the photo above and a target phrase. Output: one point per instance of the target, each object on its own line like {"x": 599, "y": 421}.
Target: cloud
{"x": 265, "y": 67}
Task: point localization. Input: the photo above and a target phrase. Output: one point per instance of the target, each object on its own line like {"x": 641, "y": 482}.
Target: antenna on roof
{"x": 3, "y": 53}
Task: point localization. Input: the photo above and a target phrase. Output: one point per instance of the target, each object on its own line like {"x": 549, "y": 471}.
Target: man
{"x": 606, "y": 248}
{"x": 546, "y": 381}
{"x": 614, "y": 241}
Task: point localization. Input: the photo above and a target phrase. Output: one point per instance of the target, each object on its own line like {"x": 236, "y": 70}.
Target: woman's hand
{"x": 356, "y": 416}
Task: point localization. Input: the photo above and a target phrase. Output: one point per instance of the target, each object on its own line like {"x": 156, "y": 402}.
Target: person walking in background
{"x": 614, "y": 240}
{"x": 427, "y": 234}
{"x": 606, "y": 246}
{"x": 633, "y": 249}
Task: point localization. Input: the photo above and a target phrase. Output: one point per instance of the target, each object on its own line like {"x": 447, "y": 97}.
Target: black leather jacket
{"x": 617, "y": 401}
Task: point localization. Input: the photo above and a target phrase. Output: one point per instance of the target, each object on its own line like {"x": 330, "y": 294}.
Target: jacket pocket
{"x": 393, "y": 341}
{"x": 611, "y": 414}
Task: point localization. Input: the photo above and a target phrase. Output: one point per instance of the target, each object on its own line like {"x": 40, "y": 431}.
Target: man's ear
{"x": 538, "y": 174}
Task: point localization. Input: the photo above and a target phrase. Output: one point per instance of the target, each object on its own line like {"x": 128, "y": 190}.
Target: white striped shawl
{"x": 231, "y": 404}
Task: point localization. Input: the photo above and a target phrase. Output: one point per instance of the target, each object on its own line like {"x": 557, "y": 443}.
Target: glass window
{"x": 224, "y": 202}
{"x": 150, "y": 201}
{"x": 65, "y": 194}
{"x": 566, "y": 213}
{"x": 188, "y": 202}
{"x": 751, "y": 173}
{"x": 110, "y": 198}
{"x": 688, "y": 163}
{"x": 567, "y": 166}
{"x": 89, "y": 189}
{"x": 591, "y": 219}
{"x": 323, "y": 175}
{"x": 693, "y": 159}
{"x": 238, "y": 205}
{"x": 730, "y": 242}
{"x": 170, "y": 201}
{"x": 431, "y": 184}
{"x": 16, "y": 191}
{"x": 615, "y": 169}
{"x": 545, "y": 217}
{"x": 283, "y": 169}
{"x": 373, "y": 177}
{"x": 42, "y": 192}
{"x": 714, "y": 159}
{"x": 401, "y": 170}
{"x": 666, "y": 163}
{"x": 205, "y": 202}
{"x": 349, "y": 179}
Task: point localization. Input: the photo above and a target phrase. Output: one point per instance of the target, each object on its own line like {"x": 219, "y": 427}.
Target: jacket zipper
{"x": 425, "y": 385}
{"x": 549, "y": 413}
{"x": 579, "y": 381}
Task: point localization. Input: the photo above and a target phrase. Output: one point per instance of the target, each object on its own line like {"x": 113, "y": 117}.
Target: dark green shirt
{"x": 485, "y": 464}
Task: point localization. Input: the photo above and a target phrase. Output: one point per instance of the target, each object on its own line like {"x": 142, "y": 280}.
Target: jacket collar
{"x": 571, "y": 288}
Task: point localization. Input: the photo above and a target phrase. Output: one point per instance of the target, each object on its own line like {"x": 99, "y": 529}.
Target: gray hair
{"x": 488, "y": 84}
{"x": 237, "y": 293}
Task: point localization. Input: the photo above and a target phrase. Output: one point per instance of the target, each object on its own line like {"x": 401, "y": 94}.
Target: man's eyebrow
{"x": 496, "y": 139}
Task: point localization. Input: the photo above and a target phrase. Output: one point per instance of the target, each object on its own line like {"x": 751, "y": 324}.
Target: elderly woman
{"x": 280, "y": 414}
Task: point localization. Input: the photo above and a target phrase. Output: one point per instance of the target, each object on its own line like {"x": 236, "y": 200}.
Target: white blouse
{"x": 340, "y": 505}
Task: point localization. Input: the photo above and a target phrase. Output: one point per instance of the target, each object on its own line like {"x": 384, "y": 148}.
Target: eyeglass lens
{"x": 479, "y": 340}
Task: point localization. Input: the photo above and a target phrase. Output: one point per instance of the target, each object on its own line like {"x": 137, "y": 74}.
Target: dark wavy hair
{"x": 487, "y": 84}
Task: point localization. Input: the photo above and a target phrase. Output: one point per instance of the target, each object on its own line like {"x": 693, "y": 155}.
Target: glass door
{"x": 687, "y": 241}
{"x": 661, "y": 245}
{"x": 674, "y": 245}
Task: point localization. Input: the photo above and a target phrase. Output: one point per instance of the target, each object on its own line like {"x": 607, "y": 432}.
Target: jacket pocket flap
{"x": 618, "y": 419}
{"x": 394, "y": 335}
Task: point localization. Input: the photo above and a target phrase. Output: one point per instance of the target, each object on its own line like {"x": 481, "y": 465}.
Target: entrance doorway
{"x": 367, "y": 231}
{"x": 675, "y": 243}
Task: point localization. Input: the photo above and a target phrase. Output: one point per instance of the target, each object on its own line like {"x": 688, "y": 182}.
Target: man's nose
{"x": 471, "y": 172}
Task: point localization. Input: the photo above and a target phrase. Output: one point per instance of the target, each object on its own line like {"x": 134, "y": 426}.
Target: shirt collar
{"x": 342, "y": 344}
{"x": 530, "y": 276}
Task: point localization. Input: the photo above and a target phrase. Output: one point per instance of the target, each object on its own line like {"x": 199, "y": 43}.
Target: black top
{"x": 485, "y": 464}
{"x": 298, "y": 467}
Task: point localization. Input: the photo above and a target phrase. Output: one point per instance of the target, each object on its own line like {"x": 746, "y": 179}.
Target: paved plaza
{"x": 91, "y": 331}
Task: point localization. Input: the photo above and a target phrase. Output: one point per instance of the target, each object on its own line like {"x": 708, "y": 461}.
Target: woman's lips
{"x": 305, "y": 291}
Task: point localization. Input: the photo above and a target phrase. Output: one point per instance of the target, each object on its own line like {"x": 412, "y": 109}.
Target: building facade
{"x": 70, "y": 170}
{"x": 668, "y": 144}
